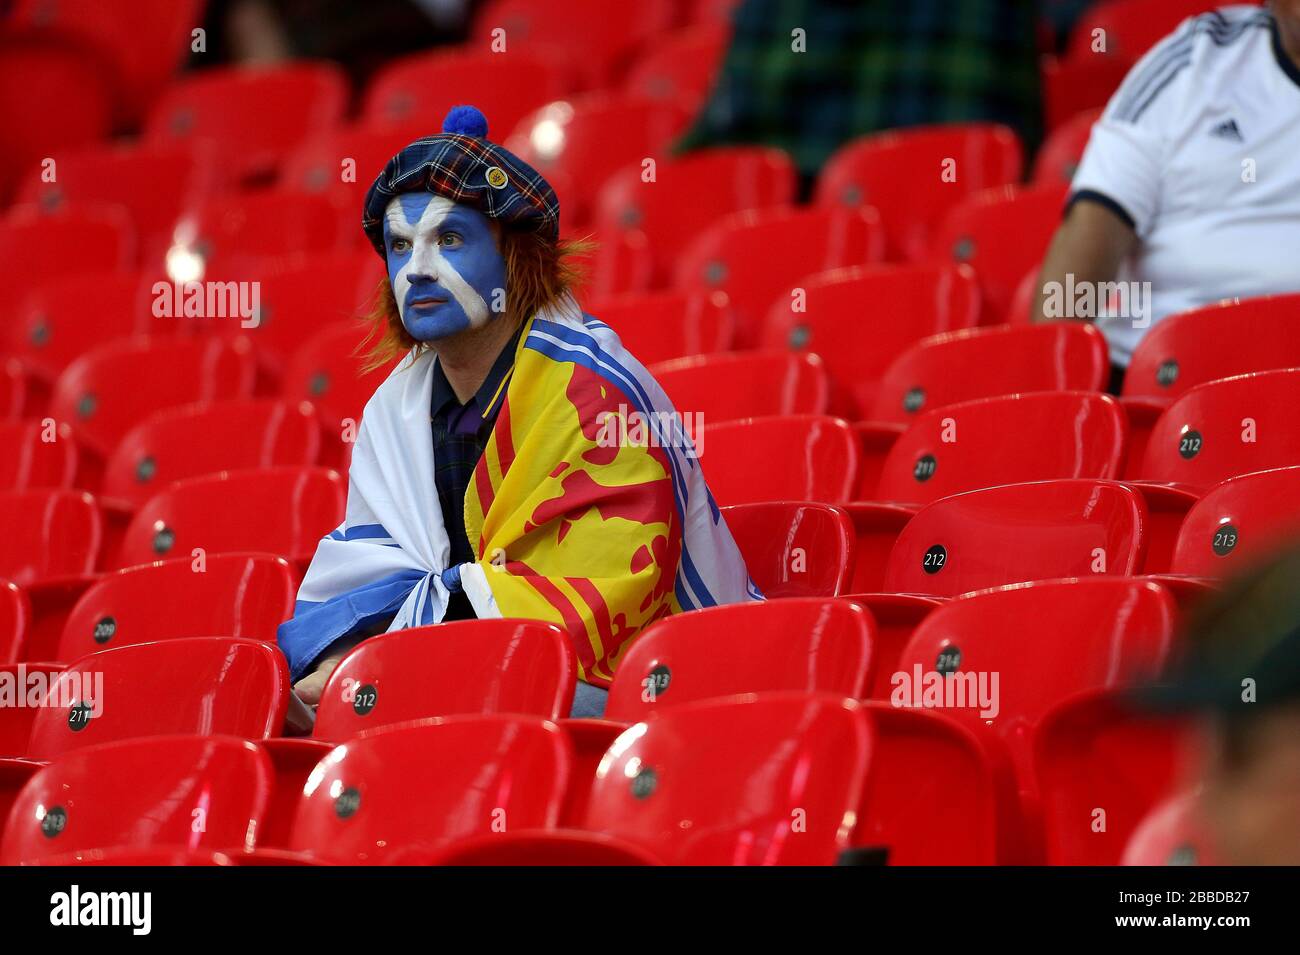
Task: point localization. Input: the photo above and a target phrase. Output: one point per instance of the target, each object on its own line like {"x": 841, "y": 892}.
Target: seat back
{"x": 400, "y": 793}
{"x": 1238, "y": 523}
{"x": 205, "y": 686}
{"x": 193, "y": 792}
{"x": 736, "y": 385}
{"x": 766, "y": 779}
{"x": 662, "y": 326}
{"x": 1019, "y": 532}
{"x": 794, "y": 548}
{"x": 449, "y": 669}
{"x": 782, "y": 458}
{"x": 223, "y": 595}
{"x": 36, "y": 456}
{"x": 810, "y": 644}
{"x": 48, "y": 534}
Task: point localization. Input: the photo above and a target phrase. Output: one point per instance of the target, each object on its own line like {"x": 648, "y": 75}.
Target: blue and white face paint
{"x": 446, "y": 271}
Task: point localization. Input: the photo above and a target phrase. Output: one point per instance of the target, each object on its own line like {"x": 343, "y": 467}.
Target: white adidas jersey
{"x": 1200, "y": 149}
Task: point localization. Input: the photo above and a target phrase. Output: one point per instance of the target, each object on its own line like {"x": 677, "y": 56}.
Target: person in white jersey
{"x": 1190, "y": 181}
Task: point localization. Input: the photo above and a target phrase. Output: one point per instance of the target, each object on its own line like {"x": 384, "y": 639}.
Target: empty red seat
{"x": 153, "y": 185}
{"x": 1074, "y": 86}
{"x": 37, "y": 455}
{"x": 208, "y": 686}
{"x": 782, "y": 458}
{"x": 13, "y": 389}
{"x": 661, "y": 326}
{"x": 1170, "y": 834}
{"x": 451, "y": 669}
{"x": 195, "y": 440}
{"x": 737, "y": 385}
{"x": 1059, "y": 156}
{"x": 1002, "y": 233}
{"x": 398, "y": 794}
{"x": 1225, "y": 428}
{"x": 284, "y": 511}
{"x": 807, "y": 644}
{"x": 1101, "y": 767}
{"x": 582, "y": 140}
{"x": 222, "y": 595}
{"x": 794, "y": 548}
{"x": 1019, "y": 532}
{"x": 678, "y": 198}
{"x": 424, "y": 86}
{"x": 342, "y": 162}
{"x": 545, "y": 847}
{"x": 1238, "y": 523}
{"x": 15, "y": 617}
{"x": 766, "y": 779}
{"x": 984, "y": 362}
{"x": 680, "y": 67}
{"x": 26, "y": 240}
{"x": 102, "y": 394}
{"x": 1129, "y": 27}
{"x": 1000, "y": 660}
{"x": 185, "y": 792}
{"x": 914, "y": 176}
{"x": 860, "y": 320}
{"x": 592, "y": 45}
{"x": 765, "y": 259}
{"x": 252, "y": 118}
{"x": 50, "y": 535}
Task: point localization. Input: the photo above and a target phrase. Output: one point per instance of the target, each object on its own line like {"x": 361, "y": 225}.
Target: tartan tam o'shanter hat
{"x": 461, "y": 165}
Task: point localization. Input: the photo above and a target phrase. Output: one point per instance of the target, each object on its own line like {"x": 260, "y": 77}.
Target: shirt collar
{"x": 487, "y": 399}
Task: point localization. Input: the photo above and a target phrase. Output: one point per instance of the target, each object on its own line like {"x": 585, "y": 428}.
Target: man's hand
{"x": 310, "y": 687}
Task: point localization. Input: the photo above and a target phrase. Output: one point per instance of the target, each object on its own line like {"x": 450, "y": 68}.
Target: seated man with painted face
{"x": 483, "y": 482}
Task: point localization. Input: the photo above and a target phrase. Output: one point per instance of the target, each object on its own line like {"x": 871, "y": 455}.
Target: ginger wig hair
{"x": 538, "y": 272}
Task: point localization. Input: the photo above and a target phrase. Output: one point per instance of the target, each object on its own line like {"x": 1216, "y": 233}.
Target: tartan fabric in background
{"x": 456, "y": 166}
{"x": 870, "y": 65}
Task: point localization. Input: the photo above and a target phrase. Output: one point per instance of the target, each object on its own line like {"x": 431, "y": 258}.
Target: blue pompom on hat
{"x": 462, "y": 165}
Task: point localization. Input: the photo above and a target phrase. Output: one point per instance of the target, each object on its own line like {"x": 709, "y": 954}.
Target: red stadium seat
{"x": 768, "y": 779}
{"x": 581, "y": 34}
{"x": 31, "y": 461}
{"x": 398, "y": 794}
{"x": 1074, "y": 86}
{"x": 585, "y": 139}
{"x": 95, "y": 396}
{"x": 738, "y": 385}
{"x": 1059, "y": 156}
{"x": 915, "y": 176}
{"x": 14, "y": 384}
{"x": 232, "y": 236}
{"x": 15, "y": 617}
{"x": 140, "y": 45}
{"x": 680, "y": 67}
{"x": 50, "y": 535}
{"x": 794, "y": 549}
{"x": 985, "y": 362}
{"x": 924, "y": 767}
{"x": 688, "y": 194}
{"x": 208, "y": 686}
{"x": 809, "y": 644}
{"x": 252, "y": 118}
{"x": 186, "y": 792}
{"x": 1130, "y": 27}
{"x": 326, "y": 370}
{"x": 16, "y": 727}
{"x": 1019, "y": 532}
{"x": 284, "y": 511}
{"x": 1038, "y": 436}
{"x": 341, "y": 163}
{"x": 1170, "y": 834}
{"x": 64, "y": 75}
{"x": 783, "y": 458}
{"x": 860, "y": 320}
{"x": 545, "y": 847}
{"x": 1225, "y": 428}
{"x": 1238, "y": 523}
{"x": 128, "y": 856}
{"x": 153, "y": 184}
{"x": 1002, "y": 233}
{"x": 1230, "y": 338}
{"x": 1000, "y": 660}
{"x": 54, "y": 325}
{"x": 26, "y": 262}
{"x": 464, "y": 668}
{"x": 1094, "y": 752}
{"x": 225, "y": 595}
{"x": 660, "y": 326}
{"x": 237, "y": 434}
{"x": 762, "y": 258}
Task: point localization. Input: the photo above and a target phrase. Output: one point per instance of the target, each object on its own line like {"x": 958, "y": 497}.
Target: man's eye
{"x": 451, "y": 240}
{"x": 401, "y": 245}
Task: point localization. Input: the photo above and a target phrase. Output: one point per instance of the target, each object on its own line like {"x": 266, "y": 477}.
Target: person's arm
{"x": 310, "y": 687}
{"x": 1091, "y": 243}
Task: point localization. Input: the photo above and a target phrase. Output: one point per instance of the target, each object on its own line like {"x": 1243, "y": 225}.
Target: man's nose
{"x": 424, "y": 266}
